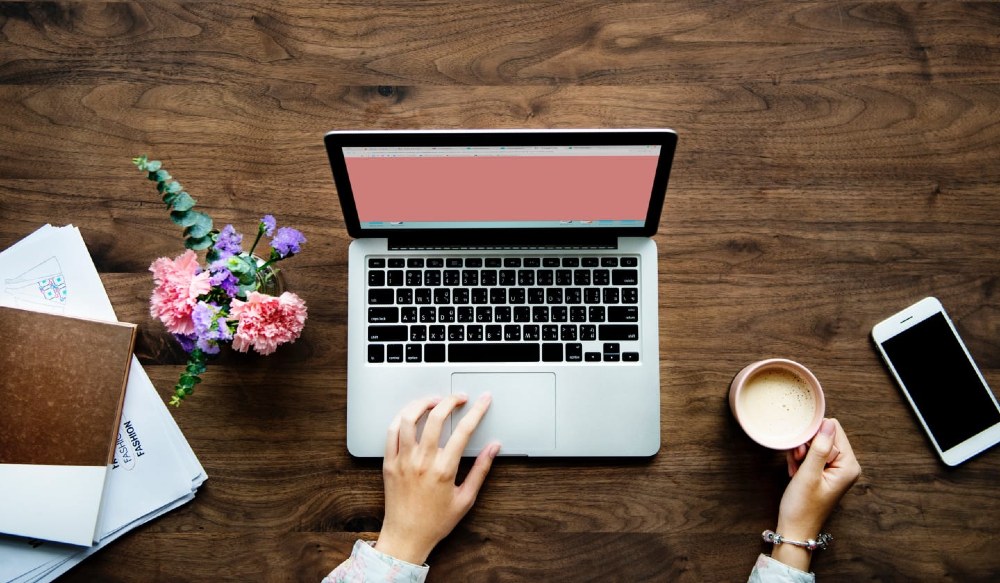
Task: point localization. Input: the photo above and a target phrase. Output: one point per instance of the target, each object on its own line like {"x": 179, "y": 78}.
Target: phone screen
{"x": 942, "y": 381}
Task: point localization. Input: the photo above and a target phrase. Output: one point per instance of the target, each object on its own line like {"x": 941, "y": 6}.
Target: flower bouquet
{"x": 206, "y": 307}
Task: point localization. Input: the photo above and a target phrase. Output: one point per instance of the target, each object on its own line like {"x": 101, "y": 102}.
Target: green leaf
{"x": 197, "y": 231}
{"x": 140, "y": 161}
{"x": 169, "y": 198}
{"x": 174, "y": 186}
{"x": 183, "y": 202}
{"x": 153, "y": 165}
{"x": 198, "y": 243}
{"x": 160, "y": 176}
{"x": 184, "y": 218}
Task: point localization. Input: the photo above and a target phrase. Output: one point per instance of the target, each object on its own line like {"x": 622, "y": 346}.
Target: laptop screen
{"x": 544, "y": 181}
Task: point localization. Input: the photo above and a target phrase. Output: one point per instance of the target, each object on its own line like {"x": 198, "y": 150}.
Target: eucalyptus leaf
{"x": 160, "y": 176}
{"x": 140, "y": 161}
{"x": 174, "y": 186}
{"x": 153, "y": 165}
{"x": 169, "y": 198}
{"x": 197, "y": 231}
{"x": 184, "y": 218}
{"x": 198, "y": 243}
{"x": 183, "y": 202}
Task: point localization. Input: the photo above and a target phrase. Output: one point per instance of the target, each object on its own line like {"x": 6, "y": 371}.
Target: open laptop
{"x": 517, "y": 262}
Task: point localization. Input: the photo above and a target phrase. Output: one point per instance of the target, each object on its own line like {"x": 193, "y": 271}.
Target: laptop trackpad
{"x": 522, "y": 415}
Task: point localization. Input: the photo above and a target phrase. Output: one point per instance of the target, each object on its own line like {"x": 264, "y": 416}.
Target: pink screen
{"x": 502, "y": 188}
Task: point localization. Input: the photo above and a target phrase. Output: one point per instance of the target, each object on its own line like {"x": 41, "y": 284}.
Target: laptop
{"x": 517, "y": 262}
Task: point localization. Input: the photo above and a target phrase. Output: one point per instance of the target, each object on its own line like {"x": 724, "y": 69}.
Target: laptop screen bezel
{"x": 336, "y": 141}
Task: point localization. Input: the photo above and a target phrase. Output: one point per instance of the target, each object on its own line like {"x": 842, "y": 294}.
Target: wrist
{"x": 402, "y": 549}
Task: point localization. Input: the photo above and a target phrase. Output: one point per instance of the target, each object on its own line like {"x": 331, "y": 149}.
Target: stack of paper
{"x": 154, "y": 469}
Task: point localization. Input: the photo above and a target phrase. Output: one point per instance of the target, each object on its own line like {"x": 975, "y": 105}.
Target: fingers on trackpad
{"x": 522, "y": 416}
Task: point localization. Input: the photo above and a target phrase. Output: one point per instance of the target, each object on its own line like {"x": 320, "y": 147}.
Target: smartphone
{"x": 937, "y": 375}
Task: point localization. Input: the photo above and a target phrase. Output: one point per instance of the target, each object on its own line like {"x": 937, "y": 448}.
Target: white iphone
{"x": 940, "y": 380}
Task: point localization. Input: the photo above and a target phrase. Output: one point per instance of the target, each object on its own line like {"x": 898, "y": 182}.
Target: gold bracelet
{"x": 822, "y": 540}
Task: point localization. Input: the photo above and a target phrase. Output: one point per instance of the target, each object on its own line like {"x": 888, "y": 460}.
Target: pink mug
{"x": 778, "y": 402}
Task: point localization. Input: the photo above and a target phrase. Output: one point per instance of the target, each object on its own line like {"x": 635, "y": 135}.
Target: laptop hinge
{"x": 401, "y": 243}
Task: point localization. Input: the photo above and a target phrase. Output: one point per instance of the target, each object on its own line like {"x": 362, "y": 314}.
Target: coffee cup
{"x": 778, "y": 402}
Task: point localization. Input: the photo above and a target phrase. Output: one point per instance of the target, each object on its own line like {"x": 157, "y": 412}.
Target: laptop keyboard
{"x": 512, "y": 308}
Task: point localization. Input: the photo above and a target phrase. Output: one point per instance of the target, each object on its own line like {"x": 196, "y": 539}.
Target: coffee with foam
{"x": 776, "y": 402}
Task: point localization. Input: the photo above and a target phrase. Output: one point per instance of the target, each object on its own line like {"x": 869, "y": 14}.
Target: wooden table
{"x": 837, "y": 161}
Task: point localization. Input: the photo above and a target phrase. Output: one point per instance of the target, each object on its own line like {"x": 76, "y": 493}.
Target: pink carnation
{"x": 267, "y": 321}
{"x": 178, "y": 285}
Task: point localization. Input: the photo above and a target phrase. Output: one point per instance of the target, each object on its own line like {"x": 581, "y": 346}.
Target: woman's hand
{"x": 422, "y": 502}
{"x": 821, "y": 474}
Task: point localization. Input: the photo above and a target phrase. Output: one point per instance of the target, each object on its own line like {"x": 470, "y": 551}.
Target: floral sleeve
{"x": 768, "y": 570}
{"x": 367, "y": 565}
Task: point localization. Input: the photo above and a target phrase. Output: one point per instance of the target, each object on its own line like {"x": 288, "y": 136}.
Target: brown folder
{"x": 62, "y": 385}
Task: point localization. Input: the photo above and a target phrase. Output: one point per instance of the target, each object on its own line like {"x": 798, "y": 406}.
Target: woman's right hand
{"x": 822, "y": 473}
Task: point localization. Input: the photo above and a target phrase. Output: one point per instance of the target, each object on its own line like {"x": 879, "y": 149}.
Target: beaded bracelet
{"x": 822, "y": 540}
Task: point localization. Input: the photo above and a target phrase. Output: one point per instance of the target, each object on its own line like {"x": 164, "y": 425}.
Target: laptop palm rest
{"x": 522, "y": 415}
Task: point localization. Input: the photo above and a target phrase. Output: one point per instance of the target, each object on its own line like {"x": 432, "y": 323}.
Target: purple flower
{"x": 187, "y": 341}
{"x": 227, "y": 243}
{"x": 222, "y": 278}
{"x": 287, "y": 241}
{"x": 210, "y": 326}
{"x": 268, "y": 223}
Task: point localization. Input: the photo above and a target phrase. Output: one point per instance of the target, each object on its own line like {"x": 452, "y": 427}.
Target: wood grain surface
{"x": 837, "y": 161}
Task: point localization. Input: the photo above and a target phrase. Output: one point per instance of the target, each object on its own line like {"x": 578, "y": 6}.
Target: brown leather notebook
{"x": 62, "y": 386}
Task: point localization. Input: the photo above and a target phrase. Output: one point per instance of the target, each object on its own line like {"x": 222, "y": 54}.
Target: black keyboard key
{"x": 630, "y": 295}
{"x": 630, "y": 357}
{"x": 567, "y": 332}
{"x": 488, "y": 277}
{"x": 618, "y": 332}
{"x": 442, "y": 295}
{"x": 525, "y": 277}
{"x": 507, "y": 277}
{"x": 460, "y": 295}
{"x": 466, "y": 314}
{"x": 592, "y": 357}
{"x": 573, "y": 295}
{"x": 559, "y": 314}
{"x": 434, "y": 353}
{"x": 494, "y": 333}
{"x": 386, "y": 333}
{"x": 394, "y": 353}
{"x": 480, "y": 295}
{"x": 522, "y": 314}
{"x": 414, "y": 277}
{"x": 395, "y": 277}
{"x": 577, "y": 314}
{"x": 422, "y": 296}
{"x": 609, "y": 262}
{"x": 502, "y": 352}
{"x": 484, "y": 314}
{"x": 474, "y": 333}
{"x": 588, "y": 332}
{"x": 544, "y": 277}
{"x": 494, "y": 262}
{"x": 625, "y": 277}
{"x": 432, "y": 277}
{"x": 630, "y": 261}
{"x": 377, "y": 263}
{"x": 376, "y": 278}
{"x": 415, "y": 262}
{"x": 418, "y": 333}
{"x": 512, "y": 262}
{"x": 550, "y": 262}
{"x": 408, "y": 315}
{"x": 601, "y": 277}
{"x": 474, "y": 262}
{"x": 470, "y": 277}
{"x": 453, "y": 262}
{"x": 397, "y": 262}
{"x": 574, "y": 352}
{"x": 623, "y": 314}
{"x": 501, "y": 314}
{"x": 612, "y": 357}
{"x": 404, "y": 295}
{"x": 515, "y": 295}
{"x": 413, "y": 353}
{"x": 383, "y": 315}
{"x": 612, "y": 347}
{"x": 571, "y": 262}
{"x": 589, "y": 262}
{"x": 512, "y": 333}
{"x": 380, "y": 296}
{"x": 552, "y": 352}
{"x": 498, "y": 295}
{"x": 596, "y": 314}
{"x": 436, "y": 334}
{"x": 540, "y": 314}
{"x": 376, "y": 352}
{"x": 610, "y": 295}
{"x": 532, "y": 332}
{"x": 550, "y": 332}
{"x": 536, "y": 295}
{"x": 452, "y": 277}
{"x": 581, "y": 277}
{"x": 456, "y": 333}
{"x": 435, "y": 262}
{"x": 554, "y": 295}
{"x": 564, "y": 277}
{"x": 428, "y": 315}
{"x": 592, "y": 295}
{"x": 446, "y": 314}
{"x": 532, "y": 262}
